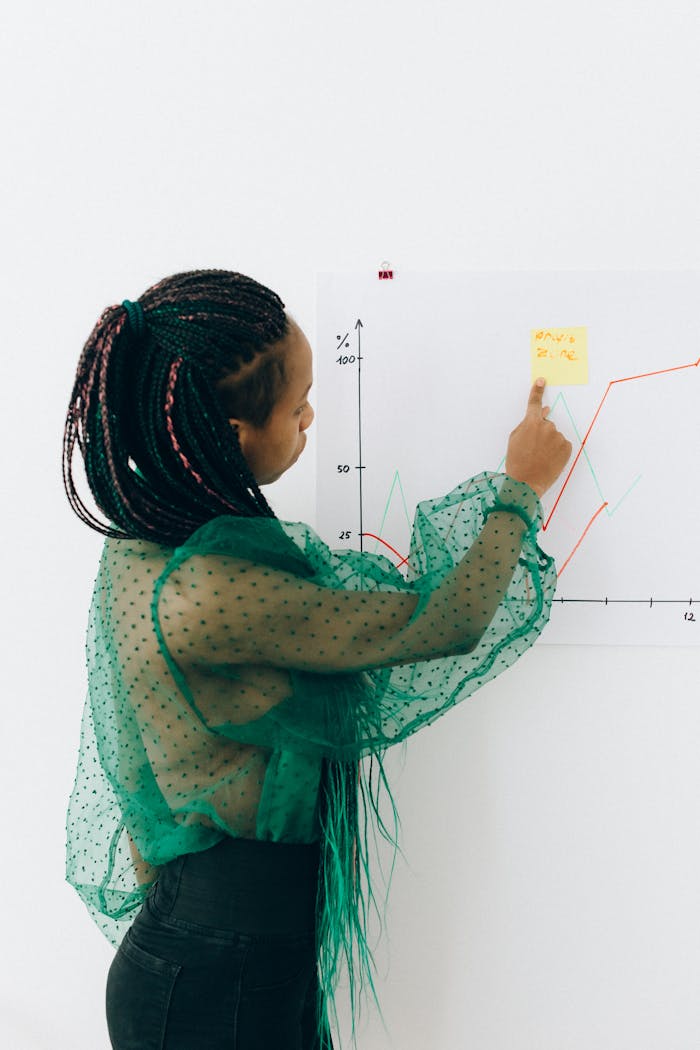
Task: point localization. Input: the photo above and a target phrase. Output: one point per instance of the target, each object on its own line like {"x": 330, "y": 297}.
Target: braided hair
{"x": 150, "y": 412}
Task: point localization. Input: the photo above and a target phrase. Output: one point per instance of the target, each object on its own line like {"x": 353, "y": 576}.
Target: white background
{"x": 549, "y": 897}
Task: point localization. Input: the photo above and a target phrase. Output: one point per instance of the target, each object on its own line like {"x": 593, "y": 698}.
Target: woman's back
{"x": 203, "y": 779}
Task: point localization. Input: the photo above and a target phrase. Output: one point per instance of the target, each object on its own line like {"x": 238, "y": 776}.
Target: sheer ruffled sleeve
{"x": 275, "y": 640}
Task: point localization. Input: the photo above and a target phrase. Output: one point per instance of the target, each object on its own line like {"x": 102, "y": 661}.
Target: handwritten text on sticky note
{"x": 560, "y": 355}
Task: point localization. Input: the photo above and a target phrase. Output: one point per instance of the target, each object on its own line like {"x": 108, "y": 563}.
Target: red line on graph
{"x": 404, "y": 560}
{"x": 626, "y": 379}
{"x": 602, "y": 507}
{"x": 379, "y": 538}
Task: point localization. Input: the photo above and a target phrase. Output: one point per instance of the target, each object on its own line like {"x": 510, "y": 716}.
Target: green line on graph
{"x": 396, "y": 481}
{"x": 609, "y": 512}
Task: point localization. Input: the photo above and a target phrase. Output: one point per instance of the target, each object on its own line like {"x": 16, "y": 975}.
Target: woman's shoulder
{"x": 118, "y": 554}
{"x": 268, "y": 541}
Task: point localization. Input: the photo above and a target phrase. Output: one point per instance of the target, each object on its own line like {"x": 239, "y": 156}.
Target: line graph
{"x": 581, "y": 451}
{"x": 611, "y": 384}
{"x": 603, "y": 523}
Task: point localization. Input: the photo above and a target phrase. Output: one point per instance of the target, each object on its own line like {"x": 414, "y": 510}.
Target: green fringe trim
{"x": 351, "y": 819}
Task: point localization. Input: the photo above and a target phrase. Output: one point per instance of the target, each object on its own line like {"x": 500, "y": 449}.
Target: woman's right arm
{"x": 223, "y": 609}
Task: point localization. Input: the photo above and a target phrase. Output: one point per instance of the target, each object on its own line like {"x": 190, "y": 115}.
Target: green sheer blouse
{"x": 236, "y": 683}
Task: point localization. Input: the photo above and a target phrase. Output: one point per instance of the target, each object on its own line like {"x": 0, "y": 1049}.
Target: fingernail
{"x": 540, "y": 381}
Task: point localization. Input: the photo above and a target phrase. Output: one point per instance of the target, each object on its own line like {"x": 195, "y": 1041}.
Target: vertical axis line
{"x": 359, "y": 427}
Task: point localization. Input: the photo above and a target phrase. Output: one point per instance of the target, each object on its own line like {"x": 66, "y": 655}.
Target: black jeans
{"x": 222, "y": 954}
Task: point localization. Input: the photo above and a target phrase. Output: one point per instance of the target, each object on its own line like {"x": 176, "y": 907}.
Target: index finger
{"x": 534, "y": 402}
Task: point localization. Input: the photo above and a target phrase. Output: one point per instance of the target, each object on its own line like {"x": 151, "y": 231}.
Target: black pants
{"x": 222, "y": 954}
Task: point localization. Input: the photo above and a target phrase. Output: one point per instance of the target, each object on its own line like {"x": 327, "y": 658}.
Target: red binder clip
{"x": 385, "y": 272}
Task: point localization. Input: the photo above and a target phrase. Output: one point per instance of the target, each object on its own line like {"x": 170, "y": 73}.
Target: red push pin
{"x": 385, "y": 272}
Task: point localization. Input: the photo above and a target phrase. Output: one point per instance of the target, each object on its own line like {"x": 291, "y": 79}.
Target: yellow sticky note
{"x": 560, "y": 355}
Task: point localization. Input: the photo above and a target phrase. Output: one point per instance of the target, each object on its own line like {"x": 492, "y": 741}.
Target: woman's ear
{"x": 241, "y": 429}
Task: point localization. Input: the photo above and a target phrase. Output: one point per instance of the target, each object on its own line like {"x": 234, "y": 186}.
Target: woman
{"x": 239, "y": 670}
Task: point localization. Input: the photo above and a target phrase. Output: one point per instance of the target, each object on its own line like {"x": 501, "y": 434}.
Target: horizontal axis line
{"x": 627, "y": 601}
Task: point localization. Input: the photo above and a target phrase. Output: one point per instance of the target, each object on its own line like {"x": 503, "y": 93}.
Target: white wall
{"x": 549, "y": 899}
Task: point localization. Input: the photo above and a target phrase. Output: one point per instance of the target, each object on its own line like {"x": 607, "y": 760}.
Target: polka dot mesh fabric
{"x": 236, "y": 684}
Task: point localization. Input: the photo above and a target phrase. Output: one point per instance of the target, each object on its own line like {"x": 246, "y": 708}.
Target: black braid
{"x": 163, "y": 400}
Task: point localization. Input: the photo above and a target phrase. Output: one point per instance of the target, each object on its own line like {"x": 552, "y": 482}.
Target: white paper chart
{"x": 422, "y": 377}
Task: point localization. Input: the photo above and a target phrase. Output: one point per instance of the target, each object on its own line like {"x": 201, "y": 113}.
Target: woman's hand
{"x": 537, "y": 452}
